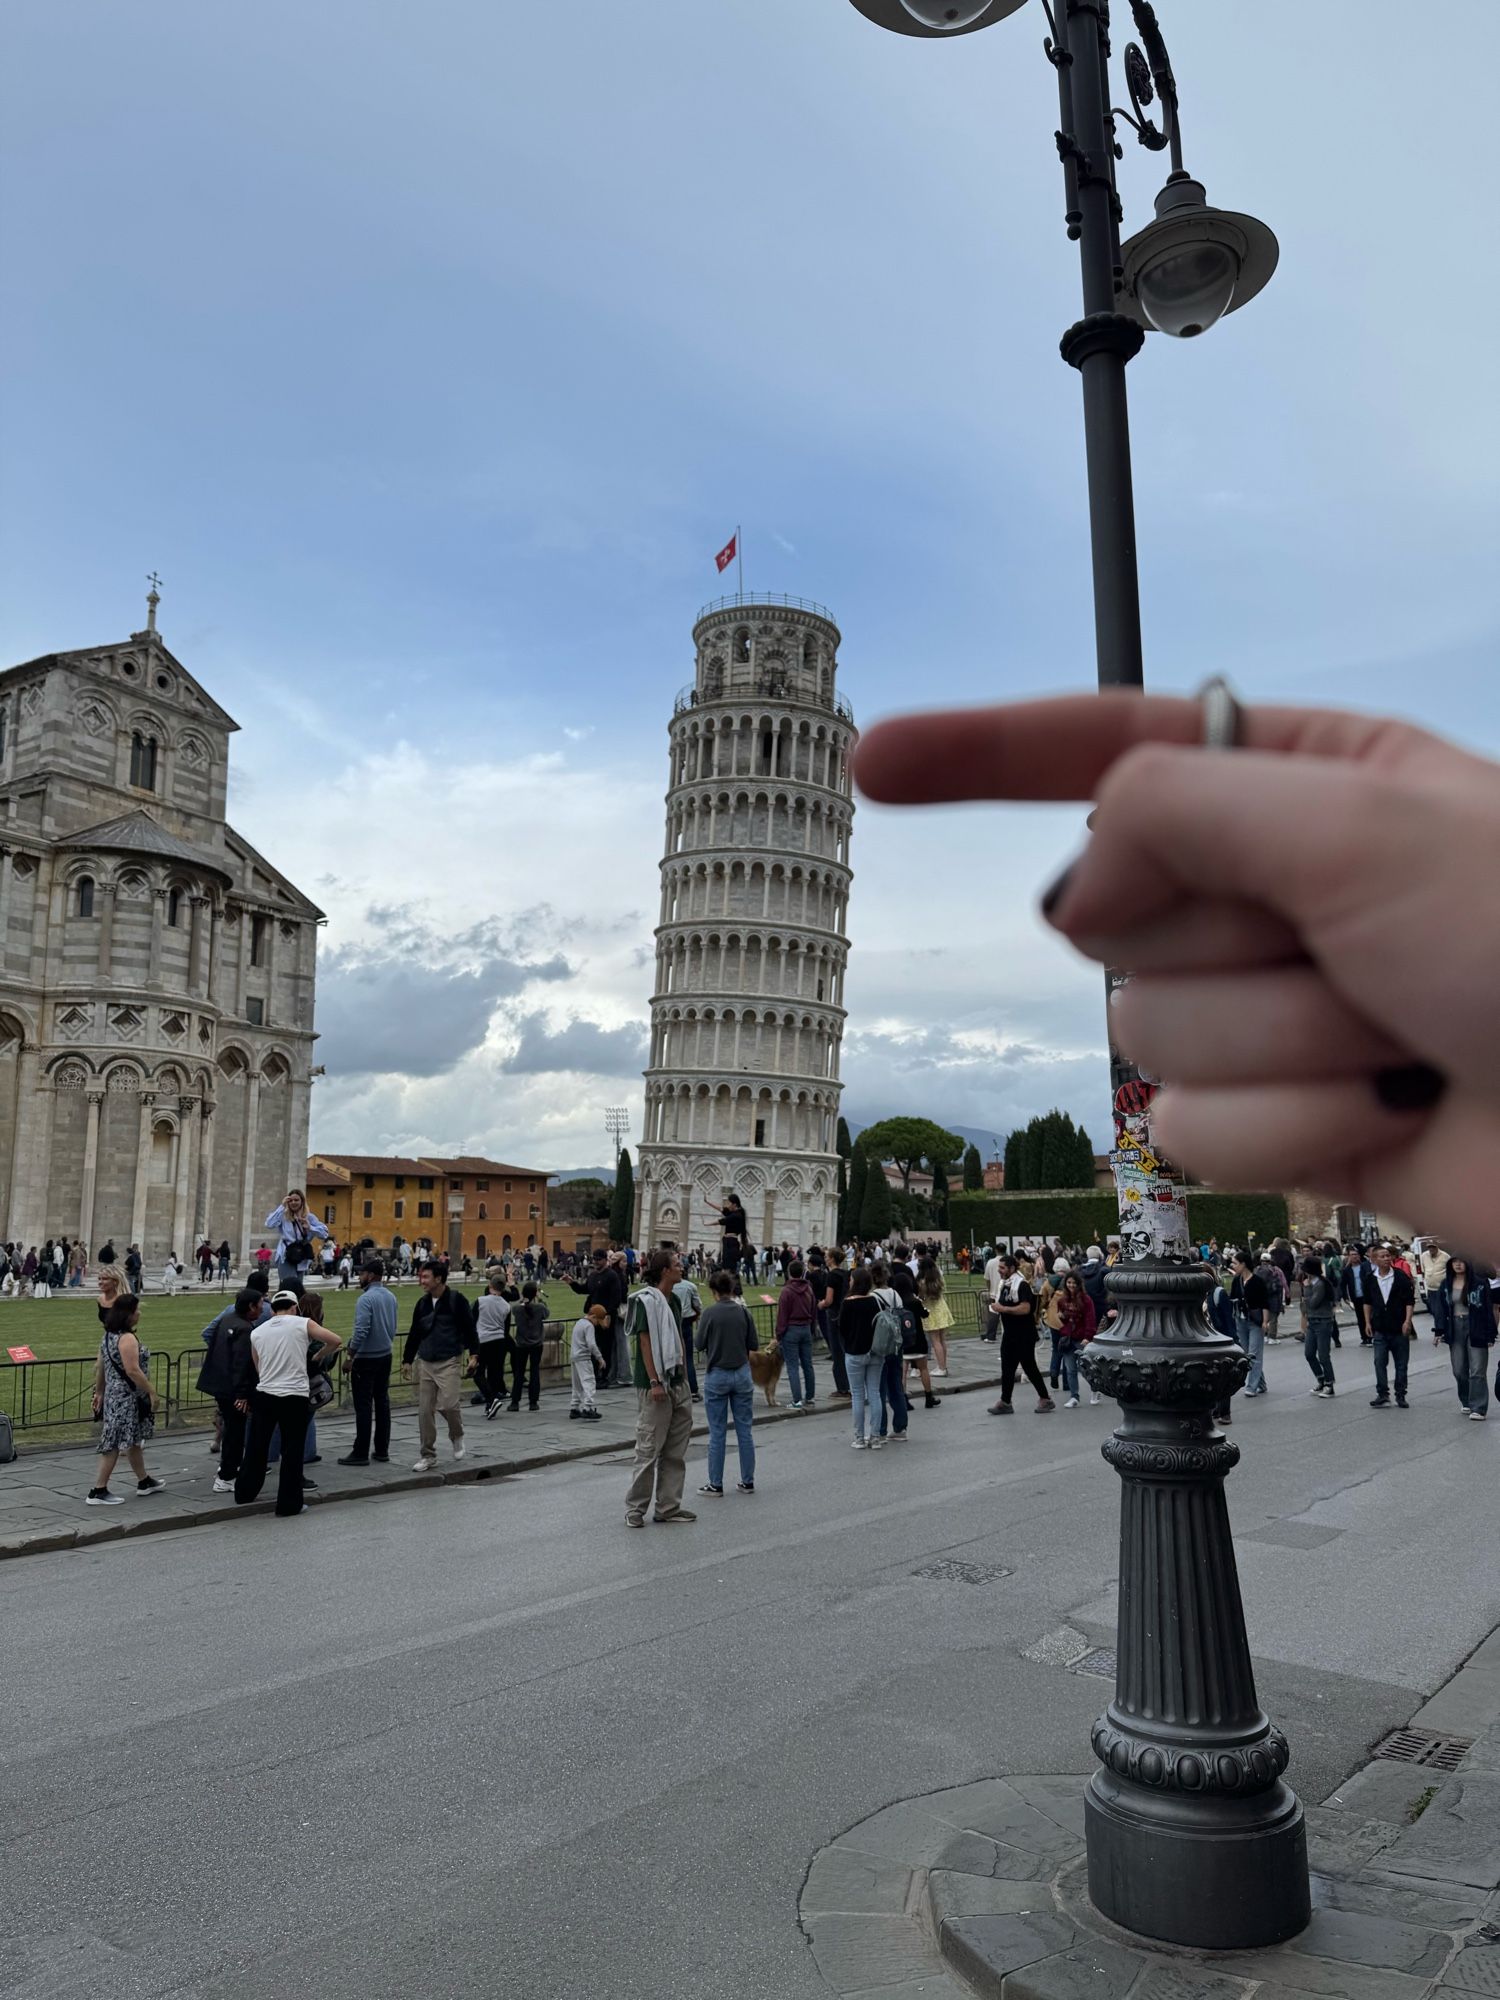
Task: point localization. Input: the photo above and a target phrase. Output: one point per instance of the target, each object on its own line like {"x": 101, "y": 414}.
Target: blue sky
{"x": 430, "y": 353}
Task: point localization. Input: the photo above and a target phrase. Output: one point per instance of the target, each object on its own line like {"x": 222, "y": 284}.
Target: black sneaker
{"x": 309, "y": 1485}
{"x": 1379, "y": 1402}
{"x": 316, "y": 1459}
{"x": 350, "y": 1460}
{"x": 100, "y": 1496}
{"x": 150, "y": 1484}
{"x": 575, "y": 1413}
{"x": 380, "y": 1458}
{"x": 1402, "y": 1404}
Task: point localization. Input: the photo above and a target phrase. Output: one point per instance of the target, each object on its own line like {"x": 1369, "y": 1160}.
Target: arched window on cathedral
{"x": 174, "y": 907}
{"x": 85, "y": 893}
{"x": 143, "y": 761}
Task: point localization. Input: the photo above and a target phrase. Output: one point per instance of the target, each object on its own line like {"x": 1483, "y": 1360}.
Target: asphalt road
{"x": 485, "y": 1740}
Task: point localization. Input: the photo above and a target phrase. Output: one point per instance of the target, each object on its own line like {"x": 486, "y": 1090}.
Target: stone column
{"x": 195, "y": 945}
{"x": 273, "y": 931}
{"x": 5, "y": 882}
{"x": 300, "y": 1091}
{"x": 205, "y": 1176}
{"x": 158, "y": 919}
{"x": 244, "y": 930}
{"x": 142, "y": 1167}
{"x": 90, "y": 1170}
{"x": 247, "y": 1180}
{"x": 215, "y": 947}
{"x": 182, "y": 1217}
{"x": 105, "y": 891}
{"x": 31, "y": 1151}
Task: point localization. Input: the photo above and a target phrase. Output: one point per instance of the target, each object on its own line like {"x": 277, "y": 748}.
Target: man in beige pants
{"x": 440, "y": 1343}
{"x": 664, "y": 1420}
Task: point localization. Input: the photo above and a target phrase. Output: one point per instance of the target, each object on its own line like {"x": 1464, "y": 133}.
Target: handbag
{"x": 143, "y": 1407}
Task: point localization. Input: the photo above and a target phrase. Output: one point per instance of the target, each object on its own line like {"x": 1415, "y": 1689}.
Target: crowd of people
{"x": 880, "y": 1314}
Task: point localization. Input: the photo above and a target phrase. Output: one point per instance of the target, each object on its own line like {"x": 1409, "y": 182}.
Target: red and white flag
{"x": 728, "y": 553}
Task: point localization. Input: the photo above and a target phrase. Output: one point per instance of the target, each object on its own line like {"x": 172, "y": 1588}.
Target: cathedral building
{"x": 156, "y": 973}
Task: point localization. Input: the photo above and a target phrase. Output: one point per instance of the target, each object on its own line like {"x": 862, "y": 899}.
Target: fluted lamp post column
{"x": 1193, "y": 1837}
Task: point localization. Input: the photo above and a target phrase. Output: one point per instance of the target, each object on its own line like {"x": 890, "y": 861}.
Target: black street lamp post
{"x": 1193, "y": 1837}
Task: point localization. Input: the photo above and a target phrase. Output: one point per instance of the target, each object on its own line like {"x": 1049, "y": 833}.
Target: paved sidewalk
{"x": 42, "y": 1493}
{"x": 983, "y": 1889}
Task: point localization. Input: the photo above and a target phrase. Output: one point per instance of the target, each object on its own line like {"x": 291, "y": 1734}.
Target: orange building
{"x": 495, "y": 1206}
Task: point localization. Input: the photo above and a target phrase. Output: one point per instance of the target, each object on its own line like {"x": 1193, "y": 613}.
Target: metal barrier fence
{"x": 57, "y": 1395}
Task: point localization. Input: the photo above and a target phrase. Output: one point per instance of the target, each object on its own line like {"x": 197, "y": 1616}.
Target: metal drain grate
{"x": 1421, "y": 1746}
{"x": 1103, "y": 1662}
{"x": 961, "y": 1572}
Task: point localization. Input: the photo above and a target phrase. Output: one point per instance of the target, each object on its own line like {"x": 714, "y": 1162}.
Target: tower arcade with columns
{"x": 747, "y": 1017}
{"x": 156, "y": 973}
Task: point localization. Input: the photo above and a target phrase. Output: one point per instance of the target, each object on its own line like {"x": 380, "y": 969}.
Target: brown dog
{"x": 765, "y": 1369}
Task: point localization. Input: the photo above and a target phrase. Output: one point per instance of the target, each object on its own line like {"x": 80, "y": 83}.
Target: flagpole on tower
{"x": 739, "y": 556}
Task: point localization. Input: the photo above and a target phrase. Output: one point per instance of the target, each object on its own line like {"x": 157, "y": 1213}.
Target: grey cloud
{"x": 929, "y": 1075}
{"x": 580, "y": 1045}
{"x": 419, "y": 1000}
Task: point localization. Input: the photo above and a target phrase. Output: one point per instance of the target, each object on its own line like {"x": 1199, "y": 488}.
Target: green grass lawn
{"x": 66, "y": 1328}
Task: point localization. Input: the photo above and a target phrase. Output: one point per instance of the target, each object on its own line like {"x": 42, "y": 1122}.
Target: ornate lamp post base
{"x": 1193, "y": 1838}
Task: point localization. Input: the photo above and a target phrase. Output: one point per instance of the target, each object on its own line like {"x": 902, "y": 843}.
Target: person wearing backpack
{"x": 1319, "y": 1304}
{"x": 1276, "y": 1293}
{"x": 913, "y": 1333}
{"x": 857, "y": 1331}
{"x": 726, "y": 1339}
{"x": 1018, "y": 1341}
{"x": 228, "y": 1375}
{"x": 892, "y": 1321}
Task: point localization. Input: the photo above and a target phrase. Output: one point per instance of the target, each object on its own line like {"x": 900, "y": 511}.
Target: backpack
{"x": 893, "y": 1323}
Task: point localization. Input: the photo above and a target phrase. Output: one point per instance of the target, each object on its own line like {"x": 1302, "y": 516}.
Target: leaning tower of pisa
{"x": 747, "y": 1016}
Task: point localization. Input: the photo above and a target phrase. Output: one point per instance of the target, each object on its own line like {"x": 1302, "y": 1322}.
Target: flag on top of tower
{"x": 727, "y": 554}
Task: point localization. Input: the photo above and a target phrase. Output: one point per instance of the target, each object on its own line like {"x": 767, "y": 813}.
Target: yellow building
{"x": 496, "y": 1206}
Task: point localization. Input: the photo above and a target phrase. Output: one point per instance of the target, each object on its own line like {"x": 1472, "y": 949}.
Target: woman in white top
{"x": 283, "y": 1399}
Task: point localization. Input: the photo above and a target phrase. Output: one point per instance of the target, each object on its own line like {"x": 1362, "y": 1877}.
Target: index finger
{"x": 1060, "y": 748}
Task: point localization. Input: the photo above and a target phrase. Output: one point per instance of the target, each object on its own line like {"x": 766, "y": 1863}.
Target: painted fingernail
{"x": 1410, "y": 1086}
{"x": 1053, "y": 895}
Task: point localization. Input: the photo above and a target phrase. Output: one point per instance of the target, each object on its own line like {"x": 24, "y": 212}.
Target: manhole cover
{"x": 1421, "y": 1746}
{"x": 1102, "y": 1662}
{"x": 961, "y": 1572}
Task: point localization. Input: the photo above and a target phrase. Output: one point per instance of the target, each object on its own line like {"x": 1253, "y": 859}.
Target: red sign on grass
{"x": 20, "y": 1354}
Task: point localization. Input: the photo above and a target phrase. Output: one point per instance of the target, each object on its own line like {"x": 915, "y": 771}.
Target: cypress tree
{"x": 875, "y": 1205}
{"x": 973, "y": 1171}
{"x": 1015, "y": 1163}
{"x": 939, "y": 1195}
{"x": 859, "y": 1167}
{"x": 622, "y": 1207}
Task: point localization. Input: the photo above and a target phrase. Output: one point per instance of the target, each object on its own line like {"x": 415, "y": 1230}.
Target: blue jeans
{"x": 893, "y": 1395}
{"x": 864, "y": 1392}
{"x": 1055, "y": 1367}
{"x": 1253, "y": 1339}
{"x": 1067, "y": 1365}
{"x": 727, "y": 1391}
{"x": 1437, "y": 1305}
{"x": 689, "y": 1328}
{"x": 796, "y": 1351}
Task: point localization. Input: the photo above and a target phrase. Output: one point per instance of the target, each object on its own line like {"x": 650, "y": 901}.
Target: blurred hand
{"x": 1305, "y": 921}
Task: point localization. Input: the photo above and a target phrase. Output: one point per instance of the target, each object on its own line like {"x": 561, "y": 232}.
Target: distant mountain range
{"x": 988, "y": 1143}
